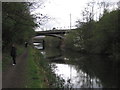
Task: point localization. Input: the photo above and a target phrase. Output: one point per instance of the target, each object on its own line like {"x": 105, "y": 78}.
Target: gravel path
{"x": 14, "y": 77}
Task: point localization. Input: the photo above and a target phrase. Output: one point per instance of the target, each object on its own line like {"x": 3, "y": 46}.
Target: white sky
{"x": 60, "y": 10}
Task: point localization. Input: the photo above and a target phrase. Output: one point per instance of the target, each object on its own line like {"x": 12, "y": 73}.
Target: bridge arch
{"x": 53, "y": 35}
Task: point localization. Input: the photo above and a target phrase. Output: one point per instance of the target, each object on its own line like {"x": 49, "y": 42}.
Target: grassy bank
{"x": 40, "y": 74}
{"x": 35, "y": 74}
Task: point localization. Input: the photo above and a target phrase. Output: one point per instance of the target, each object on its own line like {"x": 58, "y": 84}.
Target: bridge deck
{"x": 52, "y": 32}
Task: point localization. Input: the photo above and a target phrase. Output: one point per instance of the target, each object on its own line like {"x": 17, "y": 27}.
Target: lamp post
{"x": 70, "y": 21}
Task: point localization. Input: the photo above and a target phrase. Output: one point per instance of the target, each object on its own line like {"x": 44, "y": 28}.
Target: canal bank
{"x": 40, "y": 73}
{"x": 83, "y": 71}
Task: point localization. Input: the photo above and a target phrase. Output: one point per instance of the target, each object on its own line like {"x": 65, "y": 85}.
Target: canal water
{"x": 83, "y": 71}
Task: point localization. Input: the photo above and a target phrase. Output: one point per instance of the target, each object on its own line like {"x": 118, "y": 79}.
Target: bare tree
{"x": 118, "y": 5}
{"x": 40, "y": 18}
{"x": 100, "y": 9}
{"x": 88, "y": 12}
{"x": 104, "y": 7}
{"x": 91, "y": 11}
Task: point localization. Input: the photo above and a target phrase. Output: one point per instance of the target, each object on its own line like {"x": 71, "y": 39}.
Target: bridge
{"x": 54, "y": 33}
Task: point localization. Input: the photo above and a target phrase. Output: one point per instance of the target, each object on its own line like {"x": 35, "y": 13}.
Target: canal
{"x": 83, "y": 71}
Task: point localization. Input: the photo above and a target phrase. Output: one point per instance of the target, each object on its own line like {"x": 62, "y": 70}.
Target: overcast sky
{"x": 59, "y": 11}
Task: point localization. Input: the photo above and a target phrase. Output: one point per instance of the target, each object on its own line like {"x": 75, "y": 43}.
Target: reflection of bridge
{"x": 54, "y": 33}
{"x": 56, "y": 59}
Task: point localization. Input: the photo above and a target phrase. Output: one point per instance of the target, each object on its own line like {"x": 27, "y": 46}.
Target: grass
{"x": 40, "y": 74}
{"x": 35, "y": 74}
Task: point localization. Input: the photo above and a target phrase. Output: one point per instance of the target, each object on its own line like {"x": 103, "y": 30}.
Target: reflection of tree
{"x": 51, "y": 52}
{"x": 87, "y": 81}
{"x": 95, "y": 67}
{"x": 93, "y": 70}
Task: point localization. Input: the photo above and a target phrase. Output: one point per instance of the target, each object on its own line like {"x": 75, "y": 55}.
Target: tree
{"x": 18, "y": 24}
{"x": 106, "y": 35}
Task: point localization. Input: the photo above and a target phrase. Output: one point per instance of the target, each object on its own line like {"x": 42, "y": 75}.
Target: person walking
{"x": 26, "y": 44}
{"x": 13, "y": 54}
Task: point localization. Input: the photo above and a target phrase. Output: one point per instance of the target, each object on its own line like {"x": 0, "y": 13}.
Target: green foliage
{"x": 101, "y": 37}
{"x": 72, "y": 39}
{"x": 106, "y": 34}
{"x": 80, "y": 38}
{"x": 35, "y": 76}
{"x": 52, "y": 41}
{"x": 17, "y": 23}
{"x": 40, "y": 73}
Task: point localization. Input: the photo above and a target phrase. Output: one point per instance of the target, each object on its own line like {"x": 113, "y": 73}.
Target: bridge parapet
{"x": 53, "y": 32}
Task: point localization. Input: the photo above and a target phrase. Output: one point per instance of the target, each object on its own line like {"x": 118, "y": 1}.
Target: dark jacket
{"x": 13, "y": 51}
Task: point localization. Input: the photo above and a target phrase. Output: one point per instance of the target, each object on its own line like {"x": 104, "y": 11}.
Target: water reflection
{"x": 38, "y": 45}
{"x": 84, "y": 71}
{"x": 76, "y": 79}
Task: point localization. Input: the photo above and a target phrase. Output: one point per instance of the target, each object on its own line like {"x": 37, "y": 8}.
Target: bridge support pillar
{"x": 43, "y": 42}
